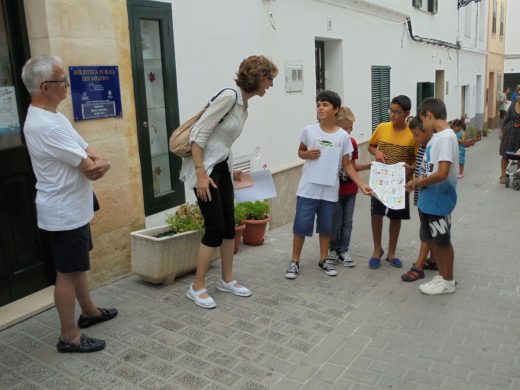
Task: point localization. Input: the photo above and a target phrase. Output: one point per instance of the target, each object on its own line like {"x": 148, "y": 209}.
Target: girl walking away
{"x": 342, "y": 225}
{"x": 458, "y": 127}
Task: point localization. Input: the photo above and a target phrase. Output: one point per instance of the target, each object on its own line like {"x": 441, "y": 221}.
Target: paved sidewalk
{"x": 360, "y": 330}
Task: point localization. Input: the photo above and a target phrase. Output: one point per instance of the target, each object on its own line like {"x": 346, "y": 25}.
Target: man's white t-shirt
{"x": 312, "y": 136}
{"x": 64, "y": 199}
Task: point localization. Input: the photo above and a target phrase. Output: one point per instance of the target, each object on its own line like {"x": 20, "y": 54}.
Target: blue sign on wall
{"x": 95, "y": 92}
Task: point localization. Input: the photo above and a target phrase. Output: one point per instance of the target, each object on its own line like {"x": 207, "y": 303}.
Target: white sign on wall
{"x": 293, "y": 78}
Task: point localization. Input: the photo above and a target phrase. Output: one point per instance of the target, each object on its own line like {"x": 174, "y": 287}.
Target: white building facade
{"x": 512, "y": 54}
{"x": 362, "y": 49}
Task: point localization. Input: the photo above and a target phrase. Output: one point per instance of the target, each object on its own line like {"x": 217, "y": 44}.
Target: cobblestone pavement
{"x": 360, "y": 330}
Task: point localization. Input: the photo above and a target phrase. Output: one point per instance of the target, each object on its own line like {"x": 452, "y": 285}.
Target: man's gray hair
{"x": 37, "y": 70}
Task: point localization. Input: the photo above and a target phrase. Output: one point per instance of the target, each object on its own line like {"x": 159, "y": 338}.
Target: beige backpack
{"x": 180, "y": 138}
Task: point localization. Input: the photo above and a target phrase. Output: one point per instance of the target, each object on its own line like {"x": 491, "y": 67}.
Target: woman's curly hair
{"x": 252, "y": 70}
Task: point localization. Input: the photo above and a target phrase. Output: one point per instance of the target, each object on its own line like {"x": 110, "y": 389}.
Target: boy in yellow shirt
{"x": 392, "y": 142}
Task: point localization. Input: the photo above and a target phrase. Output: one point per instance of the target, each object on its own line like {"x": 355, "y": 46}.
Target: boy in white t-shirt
{"x": 325, "y": 148}
{"x": 438, "y": 196}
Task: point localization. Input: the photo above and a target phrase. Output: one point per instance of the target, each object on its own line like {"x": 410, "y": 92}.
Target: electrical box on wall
{"x": 293, "y": 78}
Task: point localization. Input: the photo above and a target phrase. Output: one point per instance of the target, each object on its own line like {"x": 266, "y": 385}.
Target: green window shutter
{"x": 433, "y": 6}
{"x": 380, "y": 94}
{"x": 424, "y": 90}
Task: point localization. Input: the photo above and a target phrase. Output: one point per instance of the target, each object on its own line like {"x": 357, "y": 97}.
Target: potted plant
{"x": 256, "y": 219}
{"x": 162, "y": 253}
{"x": 239, "y": 225}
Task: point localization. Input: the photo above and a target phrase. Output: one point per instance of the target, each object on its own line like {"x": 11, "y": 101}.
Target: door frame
{"x": 153, "y": 10}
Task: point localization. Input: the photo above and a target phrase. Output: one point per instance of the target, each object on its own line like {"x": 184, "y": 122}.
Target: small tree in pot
{"x": 256, "y": 219}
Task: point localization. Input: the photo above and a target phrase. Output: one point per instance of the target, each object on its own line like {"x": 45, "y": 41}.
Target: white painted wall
{"x": 512, "y": 54}
{"x": 212, "y": 37}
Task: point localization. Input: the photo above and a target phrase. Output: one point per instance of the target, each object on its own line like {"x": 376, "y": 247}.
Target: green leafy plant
{"x": 471, "y": 132}
{"x": 187, "y": 217}
{"x": 255, "y": 210}
{"x": 485, "y": 131}
{"x": 240, "y": 214}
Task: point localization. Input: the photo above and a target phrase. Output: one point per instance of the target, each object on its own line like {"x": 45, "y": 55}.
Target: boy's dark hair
{"x": 402, "y": 101}
{"x": 329, "y": 96}
{"x": 457, "y": 123}
{"x": 435, "y": 106}
{"x": 415, "y": 123}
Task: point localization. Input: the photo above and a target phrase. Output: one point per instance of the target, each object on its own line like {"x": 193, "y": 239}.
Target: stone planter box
{"x": 161, "y": 260}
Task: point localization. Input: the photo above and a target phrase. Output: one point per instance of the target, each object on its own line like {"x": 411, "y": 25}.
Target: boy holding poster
{"x": 326, "y": 148}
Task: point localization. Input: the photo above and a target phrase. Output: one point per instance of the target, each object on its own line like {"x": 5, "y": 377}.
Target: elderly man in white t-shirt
{"x": 64, "y": 166}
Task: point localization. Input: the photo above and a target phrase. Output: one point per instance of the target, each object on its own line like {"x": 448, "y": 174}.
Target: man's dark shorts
{"x": 70, "y": 249}
{"x": 378, "y": 208}
{"x": 503, "y": 114}
{"x": 435, "y": 228}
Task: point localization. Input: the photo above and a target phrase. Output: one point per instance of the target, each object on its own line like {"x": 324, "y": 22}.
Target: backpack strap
{"x": 217, "y": 95}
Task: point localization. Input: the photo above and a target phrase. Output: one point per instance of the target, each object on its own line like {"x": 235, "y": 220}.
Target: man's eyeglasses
{"x": 64, "y": 81}
{"x": 395, "y": 112}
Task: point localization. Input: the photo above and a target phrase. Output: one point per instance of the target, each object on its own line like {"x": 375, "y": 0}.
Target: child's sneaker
{"x": 441, "y": 287}
{"x": 327, "y": 266}
{"x": 436, "y": 279}
{"x": 345, "y": 259}
{"x": 293, "y": 270}
{"x": 333, "y": 255}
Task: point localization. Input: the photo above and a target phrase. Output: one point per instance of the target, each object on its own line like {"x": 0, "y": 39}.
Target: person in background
{"x": 64, "y": 166}
{"x": 458, "y": 127}
{"x": 509, "y": 137}
{"x": 209, "y": 172}
{"x": 342, "y": 225}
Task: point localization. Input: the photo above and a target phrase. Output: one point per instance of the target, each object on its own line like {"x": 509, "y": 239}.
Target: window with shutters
{"x": 494, "y": 22}
{"x": 427, "y": 5}
{"x": 502, "y": 19}
{"x": 424, "y": 90}
{"x": 380, "y": 94}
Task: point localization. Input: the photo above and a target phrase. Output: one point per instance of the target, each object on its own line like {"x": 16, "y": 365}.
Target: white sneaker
{"x": 442, "y": 287}
{"x": 206, "y": 303}
{"x": 345, "y": 259}
{"x": 233, "y": 287}
{"x": 435, "y": 280}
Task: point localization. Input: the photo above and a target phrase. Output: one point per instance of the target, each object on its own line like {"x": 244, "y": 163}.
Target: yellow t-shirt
{"x": 397, "y": 145}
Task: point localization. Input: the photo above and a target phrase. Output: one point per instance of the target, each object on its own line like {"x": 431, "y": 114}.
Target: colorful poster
{"x": 388, "y": 181}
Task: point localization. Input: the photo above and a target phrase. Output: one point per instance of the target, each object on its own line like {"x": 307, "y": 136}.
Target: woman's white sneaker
{"x": 206, "y": 303}
{"x": 233, "y": 287}
{"x": 440, "y": 287}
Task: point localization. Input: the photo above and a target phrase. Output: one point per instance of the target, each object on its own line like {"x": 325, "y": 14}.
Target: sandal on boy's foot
{"x": 395, "y": 262}
{"x": 106, "y": 314}
{"x": 375, "y": 262}
{"x": 412, "y": 275}
{"x": 86, "y": 344}
{"x": 431, "y": 265}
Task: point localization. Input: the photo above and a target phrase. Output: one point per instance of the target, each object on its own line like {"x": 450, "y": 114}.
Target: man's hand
{"x": 98, "y": 169}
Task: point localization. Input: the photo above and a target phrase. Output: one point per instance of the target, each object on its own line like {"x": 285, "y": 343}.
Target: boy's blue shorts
{"x": 306, "y": 210}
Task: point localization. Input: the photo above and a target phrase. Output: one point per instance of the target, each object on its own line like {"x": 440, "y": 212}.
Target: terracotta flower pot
{"x": 238, "y": 236}
{"x": 255, "y": 231}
